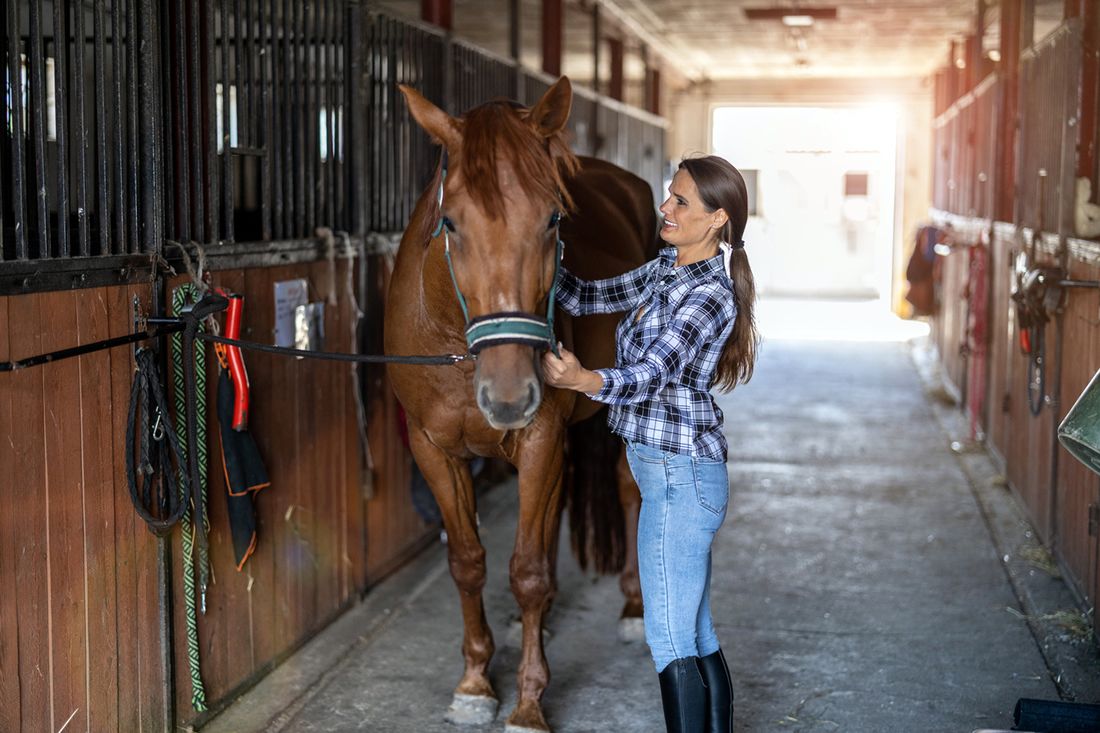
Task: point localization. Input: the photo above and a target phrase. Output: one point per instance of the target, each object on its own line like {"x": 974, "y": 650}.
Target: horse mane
{"x": 498, "y": 130}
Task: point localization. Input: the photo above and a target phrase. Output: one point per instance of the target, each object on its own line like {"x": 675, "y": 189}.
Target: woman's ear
{"x": 720, "y": 219}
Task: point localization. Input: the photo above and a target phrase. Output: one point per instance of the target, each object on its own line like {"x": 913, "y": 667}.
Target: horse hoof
{"x": 526, "y": 718}
{"x": 472, "y": 710}
{"x": 631, "y": 630}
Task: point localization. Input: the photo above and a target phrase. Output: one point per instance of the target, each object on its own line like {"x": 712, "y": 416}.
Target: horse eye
{"x": 555, "y": 219}
{"x": 449, "y": 225}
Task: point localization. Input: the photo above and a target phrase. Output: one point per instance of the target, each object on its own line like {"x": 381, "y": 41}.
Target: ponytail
{"x": 721, "y": 186}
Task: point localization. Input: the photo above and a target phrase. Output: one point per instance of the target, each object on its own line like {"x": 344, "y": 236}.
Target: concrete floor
{"x": 868, "y": 578}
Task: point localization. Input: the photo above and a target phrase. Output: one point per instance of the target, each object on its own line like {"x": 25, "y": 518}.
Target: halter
{"x": 504, "y": 327}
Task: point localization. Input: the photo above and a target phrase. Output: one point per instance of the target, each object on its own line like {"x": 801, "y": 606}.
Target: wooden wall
{"x": 1021, "y": 442}
{"x": 79, "y": 631}
{"x": 80, "y": 623}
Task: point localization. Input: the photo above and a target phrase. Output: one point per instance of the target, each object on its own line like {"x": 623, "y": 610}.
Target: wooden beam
{"x": 970, "y": 76}
{"x": 597, "y": 34}
{"x": 551, "y": 36}
{"x": 1011, "y": 31}
{"x": 654, "y": 90}
{"x": 615, "y": 82}
{"x": 514, "y": 29}
{"x": 438, "y": 12}
{"x": 1087, "y": 11}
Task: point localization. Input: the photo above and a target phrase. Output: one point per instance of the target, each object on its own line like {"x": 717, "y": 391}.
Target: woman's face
{"x": 687, "y": 222}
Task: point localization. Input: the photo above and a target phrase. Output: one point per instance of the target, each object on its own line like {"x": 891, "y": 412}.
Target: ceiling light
{"x": 799, "y": 21}
{"x": 994, "y": 55}
{"x": 799, "y": 13}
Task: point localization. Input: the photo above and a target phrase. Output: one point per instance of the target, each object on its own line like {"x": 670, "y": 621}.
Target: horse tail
{"x": 597, "y": 527}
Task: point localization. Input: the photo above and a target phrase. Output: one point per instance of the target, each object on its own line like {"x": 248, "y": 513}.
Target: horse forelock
{"x": 496, "y": 132}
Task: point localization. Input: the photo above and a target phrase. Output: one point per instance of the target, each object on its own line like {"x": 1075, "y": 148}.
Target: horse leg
{"x": 474, "y": 701}
{"x": 631, "y": 628}
{"x": 532, "y": 577}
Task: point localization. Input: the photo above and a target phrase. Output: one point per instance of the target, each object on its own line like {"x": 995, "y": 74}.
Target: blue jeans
{"x": 684, "y": 501}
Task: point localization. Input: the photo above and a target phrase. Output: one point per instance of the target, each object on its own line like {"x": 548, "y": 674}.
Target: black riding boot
{"x": 716, "y": 676}
{"x": 684, "y": 696}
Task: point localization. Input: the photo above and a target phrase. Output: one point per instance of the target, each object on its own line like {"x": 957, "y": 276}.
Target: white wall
{"x": 690, "y": 112}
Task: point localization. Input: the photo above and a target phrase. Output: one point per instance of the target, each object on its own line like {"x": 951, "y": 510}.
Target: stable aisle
{"x": 857, "y": 586}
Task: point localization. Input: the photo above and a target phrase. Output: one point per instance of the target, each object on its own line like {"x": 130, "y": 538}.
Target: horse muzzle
{"x": 507, "y": 397}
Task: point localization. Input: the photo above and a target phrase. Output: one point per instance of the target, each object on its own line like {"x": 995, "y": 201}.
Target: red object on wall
{"x": 438, "y": 12}
{"x": 551, "y": 36}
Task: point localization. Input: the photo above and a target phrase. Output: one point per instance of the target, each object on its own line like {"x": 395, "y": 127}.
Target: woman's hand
{"x": 568, "y": 373}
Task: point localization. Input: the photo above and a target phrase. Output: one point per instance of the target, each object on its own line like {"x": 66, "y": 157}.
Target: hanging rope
{"x": 190, "y": 388}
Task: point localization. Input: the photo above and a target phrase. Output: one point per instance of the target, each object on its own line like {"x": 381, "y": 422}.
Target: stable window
{"x": 855, "y": 184}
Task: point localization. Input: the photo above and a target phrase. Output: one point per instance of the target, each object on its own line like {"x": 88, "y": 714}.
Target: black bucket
{"x": 1053, "y": 716}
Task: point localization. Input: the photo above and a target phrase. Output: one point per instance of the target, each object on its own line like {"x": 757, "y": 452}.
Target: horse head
{"x": 500, "y": 193}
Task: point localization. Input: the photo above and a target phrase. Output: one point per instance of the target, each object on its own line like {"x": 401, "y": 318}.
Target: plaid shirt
{"x": 667, "y": 348}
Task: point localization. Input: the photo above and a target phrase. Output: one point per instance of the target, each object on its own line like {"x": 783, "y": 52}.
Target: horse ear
{"x": 552, "y": 111}
{"x": 441, "y": 126}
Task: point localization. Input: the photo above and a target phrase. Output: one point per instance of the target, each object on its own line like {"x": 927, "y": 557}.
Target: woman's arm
{"x": 703, "y": 316}
{"x": 582, "y": 297}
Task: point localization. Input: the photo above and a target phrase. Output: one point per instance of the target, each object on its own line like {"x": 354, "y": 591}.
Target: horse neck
{"x": 437, "y": 290}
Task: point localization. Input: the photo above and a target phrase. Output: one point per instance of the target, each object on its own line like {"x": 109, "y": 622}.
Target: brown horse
{"x": 492, "y": 211}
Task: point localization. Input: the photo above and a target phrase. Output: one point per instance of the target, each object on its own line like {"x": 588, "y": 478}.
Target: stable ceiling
{"x": 714, "y": 39}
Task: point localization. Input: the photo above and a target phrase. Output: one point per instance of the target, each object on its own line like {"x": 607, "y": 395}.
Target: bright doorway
{"x": 822, "y": 190}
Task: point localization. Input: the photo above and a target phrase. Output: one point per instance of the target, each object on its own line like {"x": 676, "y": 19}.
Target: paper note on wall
{"x": 309, "y": 327}
{"x": 289, "y": 294}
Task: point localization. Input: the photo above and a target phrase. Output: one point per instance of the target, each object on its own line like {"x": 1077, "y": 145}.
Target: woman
{"x": 689, "y": 326}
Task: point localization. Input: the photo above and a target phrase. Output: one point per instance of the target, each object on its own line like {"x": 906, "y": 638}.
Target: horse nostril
{"x": 534, "y": 397}
{"x": 483, "y": 399}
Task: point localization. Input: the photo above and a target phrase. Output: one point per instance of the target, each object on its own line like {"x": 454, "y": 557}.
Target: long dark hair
{"x": 722, "y": 187}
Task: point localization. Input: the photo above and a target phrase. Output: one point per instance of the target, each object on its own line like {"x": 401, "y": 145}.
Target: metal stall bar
{"x": 268, "y": 73}
{"x": 82, "y": 131}
{"x": 372, "y": 128}
{"x": 152, "y": 156}
{"x": 265, "y": 107}
{"x": 277, "y": 147}
{"x": 182, "y": 131}
{"x": 227, "y": 102}
{"x": 38, "y": 124}
{"x": 287, "y": 145}
{"x": 18, "y": 158}
{"x": 103, "y": 168}
{"x": 347, "y": 37}
{"x": 312, "y": 151}
{"x": 208, "y": 50}
{"x": 60, "y": 41}
{"x": 347, "y": 176}
{"x": 194, "y": 91}
{"x": 329, "y": 92}
{"x": 242, "y": 22}
{"x": 134, "y": 128}
{"x": 119, "y": 159}
{"x": 297, "y": 51}
{"x": 355, "y": 99}
{"x": 4, "y": 117}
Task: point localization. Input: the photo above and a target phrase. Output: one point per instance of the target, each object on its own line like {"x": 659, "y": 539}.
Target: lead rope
{"x": 180, "y": 297}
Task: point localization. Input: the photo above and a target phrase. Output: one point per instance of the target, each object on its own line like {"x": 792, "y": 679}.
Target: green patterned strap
{"x": 180, "y": 298}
